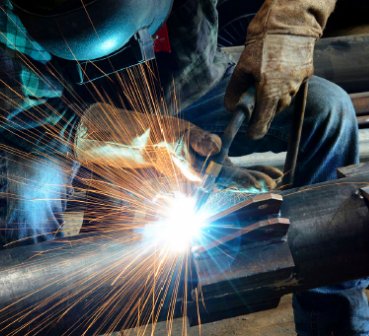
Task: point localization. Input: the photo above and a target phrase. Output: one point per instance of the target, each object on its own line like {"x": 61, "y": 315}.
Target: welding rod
{"x": 242, "y": 112}
{"x": 295, "y": 137}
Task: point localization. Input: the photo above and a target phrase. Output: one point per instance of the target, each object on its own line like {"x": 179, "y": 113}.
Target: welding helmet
{"x": 93, "y": 32}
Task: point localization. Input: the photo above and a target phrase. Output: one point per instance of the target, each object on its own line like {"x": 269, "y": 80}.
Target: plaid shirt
{"x": 30, "y": 97}
{"x": 14, "y": 36}
{"x": 32, "y": 113}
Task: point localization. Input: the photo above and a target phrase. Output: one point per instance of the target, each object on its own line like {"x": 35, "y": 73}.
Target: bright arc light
{"x": 180, "y": 225}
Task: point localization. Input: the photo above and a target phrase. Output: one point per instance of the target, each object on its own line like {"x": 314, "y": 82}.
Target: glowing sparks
{"x": 120, "y": 200}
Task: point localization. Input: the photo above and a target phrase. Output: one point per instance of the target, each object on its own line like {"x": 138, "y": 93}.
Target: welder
{"x": 40, "y": 97}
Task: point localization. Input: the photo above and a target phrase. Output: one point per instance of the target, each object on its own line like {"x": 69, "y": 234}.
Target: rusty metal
{"x": 352, "y": 170}
{"x": 360, "y": 102}
{"x": 260, "y": 212}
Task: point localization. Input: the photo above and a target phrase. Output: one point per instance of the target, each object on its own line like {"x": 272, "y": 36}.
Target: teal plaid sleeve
{"x": 14, "y": 36}
{"x": 33, "y": 115}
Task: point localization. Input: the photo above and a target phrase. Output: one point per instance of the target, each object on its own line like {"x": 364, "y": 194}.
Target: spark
{"x": 120, "y": 202}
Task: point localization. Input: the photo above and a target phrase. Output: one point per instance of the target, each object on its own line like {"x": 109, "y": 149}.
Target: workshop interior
{"x": 184, "y": 167}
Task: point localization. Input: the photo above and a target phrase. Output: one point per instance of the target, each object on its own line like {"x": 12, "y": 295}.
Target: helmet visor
{"x": 89, "y": 29}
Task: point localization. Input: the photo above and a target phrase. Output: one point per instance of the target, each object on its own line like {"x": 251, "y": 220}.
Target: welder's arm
{"x": 278, "y": 57}
{"x": 108, "y": 136}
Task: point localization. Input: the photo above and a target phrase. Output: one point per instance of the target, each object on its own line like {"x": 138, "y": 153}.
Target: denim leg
{"x": 340, "y": 310}
{"x": 329, "y": 141}
{"x": 33, "y": 195}
{"x": 329, "y": 138}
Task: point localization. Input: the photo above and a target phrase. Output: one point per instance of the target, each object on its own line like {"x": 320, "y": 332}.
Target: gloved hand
{"x": 109, "y": 136}
{"x": 278, "y": 57}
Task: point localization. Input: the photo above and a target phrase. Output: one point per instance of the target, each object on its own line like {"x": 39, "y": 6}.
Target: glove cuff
{"x": 299, "y": 17}
{"x": 278, "y": 54}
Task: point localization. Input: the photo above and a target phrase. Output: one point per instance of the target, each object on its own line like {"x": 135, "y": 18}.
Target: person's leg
{"x": 329, "y": 141}
{"x": 33, "y": 195}
{"x": 340, "y": 310}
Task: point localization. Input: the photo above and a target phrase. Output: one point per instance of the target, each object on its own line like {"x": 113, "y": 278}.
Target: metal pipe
{"x": 344, "y": 61}
{"x": 327, "y": 242}
{"x": 332, "y": 244}
{"x": 86, "y": 285}
{"x": 93, "y": 284}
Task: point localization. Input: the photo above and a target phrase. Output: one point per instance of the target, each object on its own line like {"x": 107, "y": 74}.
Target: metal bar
{"x": 361, "y": 103}
{"x": 266, "y": 223}
{"x": 352, "y": 170}
{"x": 363, "y": 121}
{"x": 295, "y": 137}
{"x": 265, "y": 204}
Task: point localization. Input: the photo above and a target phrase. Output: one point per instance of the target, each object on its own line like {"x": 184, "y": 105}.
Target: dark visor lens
{"x": 50, "y": 6}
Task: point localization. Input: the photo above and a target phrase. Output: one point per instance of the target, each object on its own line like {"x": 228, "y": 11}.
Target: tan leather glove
{"x": 111, "y": 137}
{"x": 278, "y": 57}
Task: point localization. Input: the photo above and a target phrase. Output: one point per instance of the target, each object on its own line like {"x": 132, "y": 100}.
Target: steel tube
{"x": 94, "y": 284}
{"x": 87, "y": 285}
{"x": 329, "y": 234}
{"x": 327, "y": 242}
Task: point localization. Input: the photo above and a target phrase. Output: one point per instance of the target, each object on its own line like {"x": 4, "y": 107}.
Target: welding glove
{"x": 111, "y": 137}
{"x": 278, "y": 57}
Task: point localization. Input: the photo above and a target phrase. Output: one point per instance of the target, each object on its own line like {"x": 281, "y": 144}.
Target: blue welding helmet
{"x": 98, "y": 34}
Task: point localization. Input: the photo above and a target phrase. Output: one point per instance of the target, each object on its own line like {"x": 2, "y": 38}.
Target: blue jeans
{"x": 329, "y": 140}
